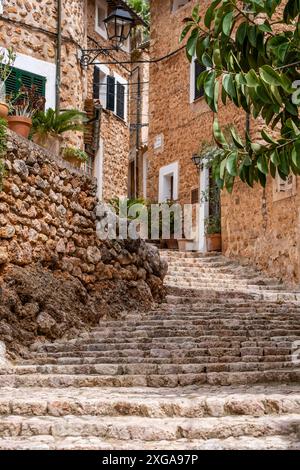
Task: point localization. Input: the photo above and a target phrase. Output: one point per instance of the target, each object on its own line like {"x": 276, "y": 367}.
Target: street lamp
{"x": 197, "y": 160}
{"x": 118, "y": 25}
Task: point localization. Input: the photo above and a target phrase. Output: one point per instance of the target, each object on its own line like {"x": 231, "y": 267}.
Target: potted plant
{"x": 74, "y": 156}
{"x": 7, "y": 58}
{"x": 23, "y": 107}
{"x": 213, "y": 233}
{"x": 49, "y": 126}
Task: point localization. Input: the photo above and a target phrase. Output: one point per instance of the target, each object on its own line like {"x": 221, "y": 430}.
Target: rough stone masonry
{"x": 55, "y": 274}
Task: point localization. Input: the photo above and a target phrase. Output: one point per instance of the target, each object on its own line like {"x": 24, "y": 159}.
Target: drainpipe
{"x": 58, "y": 55}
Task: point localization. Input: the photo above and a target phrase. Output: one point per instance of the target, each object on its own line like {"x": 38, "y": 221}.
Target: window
{"x": 196, "y": 71}
{"x": 120, "y": 100}
{"x": 100, "y": 84}
{"x": 89, "y": 165}
{"x": 176, "y": 4}
{"x": 19, "y": 78}
{"x": 101, "y": 14}
{"x": 195, "y": 196}
{"x": 110, "y": 91}
{"x": 110, "y": 99}
{"x": 283, "y": 189}
{"x": 168, "y": 182}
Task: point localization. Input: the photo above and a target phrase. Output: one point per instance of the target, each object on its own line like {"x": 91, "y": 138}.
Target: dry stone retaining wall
{"x": 54, "y": 272}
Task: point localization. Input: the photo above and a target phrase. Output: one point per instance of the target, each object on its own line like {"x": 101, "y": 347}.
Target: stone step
{"x": 150, "y": 380}
{"x": 87, "y": 358}
{"x": 149, "y": 368}
{"x": 93, "y": 443}
{"x": 188, "y": 343}
{"x": 169, "y": 403}
{"x": 207, "y": 295}
{"x": 149, "y": 429}
{"x": 226, "y": 285}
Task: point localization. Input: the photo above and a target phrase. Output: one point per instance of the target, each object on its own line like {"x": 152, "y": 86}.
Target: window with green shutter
{"x": 19, "y": 78}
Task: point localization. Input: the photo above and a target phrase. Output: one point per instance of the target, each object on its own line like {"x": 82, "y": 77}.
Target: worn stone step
{"x": 149, "y": 429}
{"x": 93, "y": 443}
{"x": 185, "y": 402}
{"x": 189, "y": 347}
{"x": 145, "y": 368}
{"x": 151, "y": 380}
{"x": 86, "y": 358}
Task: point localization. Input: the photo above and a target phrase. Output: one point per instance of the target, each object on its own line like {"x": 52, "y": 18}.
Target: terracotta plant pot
{"x": 4, "y": 110}
{"x": 20, "y": 125}
{"x": 214, "y": 242}
{"x": 50, "y": 142}
{"x": 185, "y": 244}
{"x": 73, "y": 161}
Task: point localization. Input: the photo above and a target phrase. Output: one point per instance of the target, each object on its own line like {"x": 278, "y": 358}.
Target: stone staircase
{"x": 212, "y": 368}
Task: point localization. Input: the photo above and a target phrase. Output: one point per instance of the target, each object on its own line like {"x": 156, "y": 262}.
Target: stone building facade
{"x": 139, "y": 129}
{"x": 180, "y": 119}
{"x": 31, "y": 27}
{"x": 258, "y": 226}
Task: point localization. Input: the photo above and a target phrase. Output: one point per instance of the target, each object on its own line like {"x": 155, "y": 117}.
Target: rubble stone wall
{"x": 55, "y": 274}
{"x": 263, "y": 231}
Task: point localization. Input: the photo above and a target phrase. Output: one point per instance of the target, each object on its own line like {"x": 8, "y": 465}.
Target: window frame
{"x": 100, "y": 4}
{"x": 122, "y": 81}
{"x": 193, "y": 89}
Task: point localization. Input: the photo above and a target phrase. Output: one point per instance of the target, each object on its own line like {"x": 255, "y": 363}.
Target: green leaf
{"x": 268, "y": 138}
{"x": 265, "y": 27}
{"x": 296, "y": 157}
{"x": 218, "y": 135}
{"x": 270, "y": 76}
{"x": 185, "y": 31}
{"x": 195, "y": 13}
{"x": 228, "y": 85}
{"x": 206, "y": 61}
{"x": 236, "y": 138}
{"x": 227, "y": 23}
{"x": 242, "y": 33}
{"x": 222, "y": 168}
{"x": 192, "y": 42}
{"x": 274, "y": 157}
{"x": 262, "y": 164}
{"x": 252, "y": 79}
{"x": 231, "y": 163}
{"x": 209, "y": 84}
{"x": 210, "y": 13}
{"x": 262, "y": 178}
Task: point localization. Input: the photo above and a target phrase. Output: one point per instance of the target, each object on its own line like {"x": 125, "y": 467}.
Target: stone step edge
{"x": 128, "y": 428}
{"x": 43, "y": 442}
{"x": 153, "y": 406}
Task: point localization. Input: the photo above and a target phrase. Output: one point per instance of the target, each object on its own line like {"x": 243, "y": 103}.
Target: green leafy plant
{"x": 58, "y": 122}
{"x": 116, "y": 203}
{"x": 212, "y": 225}
{"x": 73, "y": 152}
{"x": 3, "y": 146}
{"x": 142, "y": 8}
{"x": 27, "y": 102}
{"x": 251, "y": 55}
{"x": 7, "y": 59}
